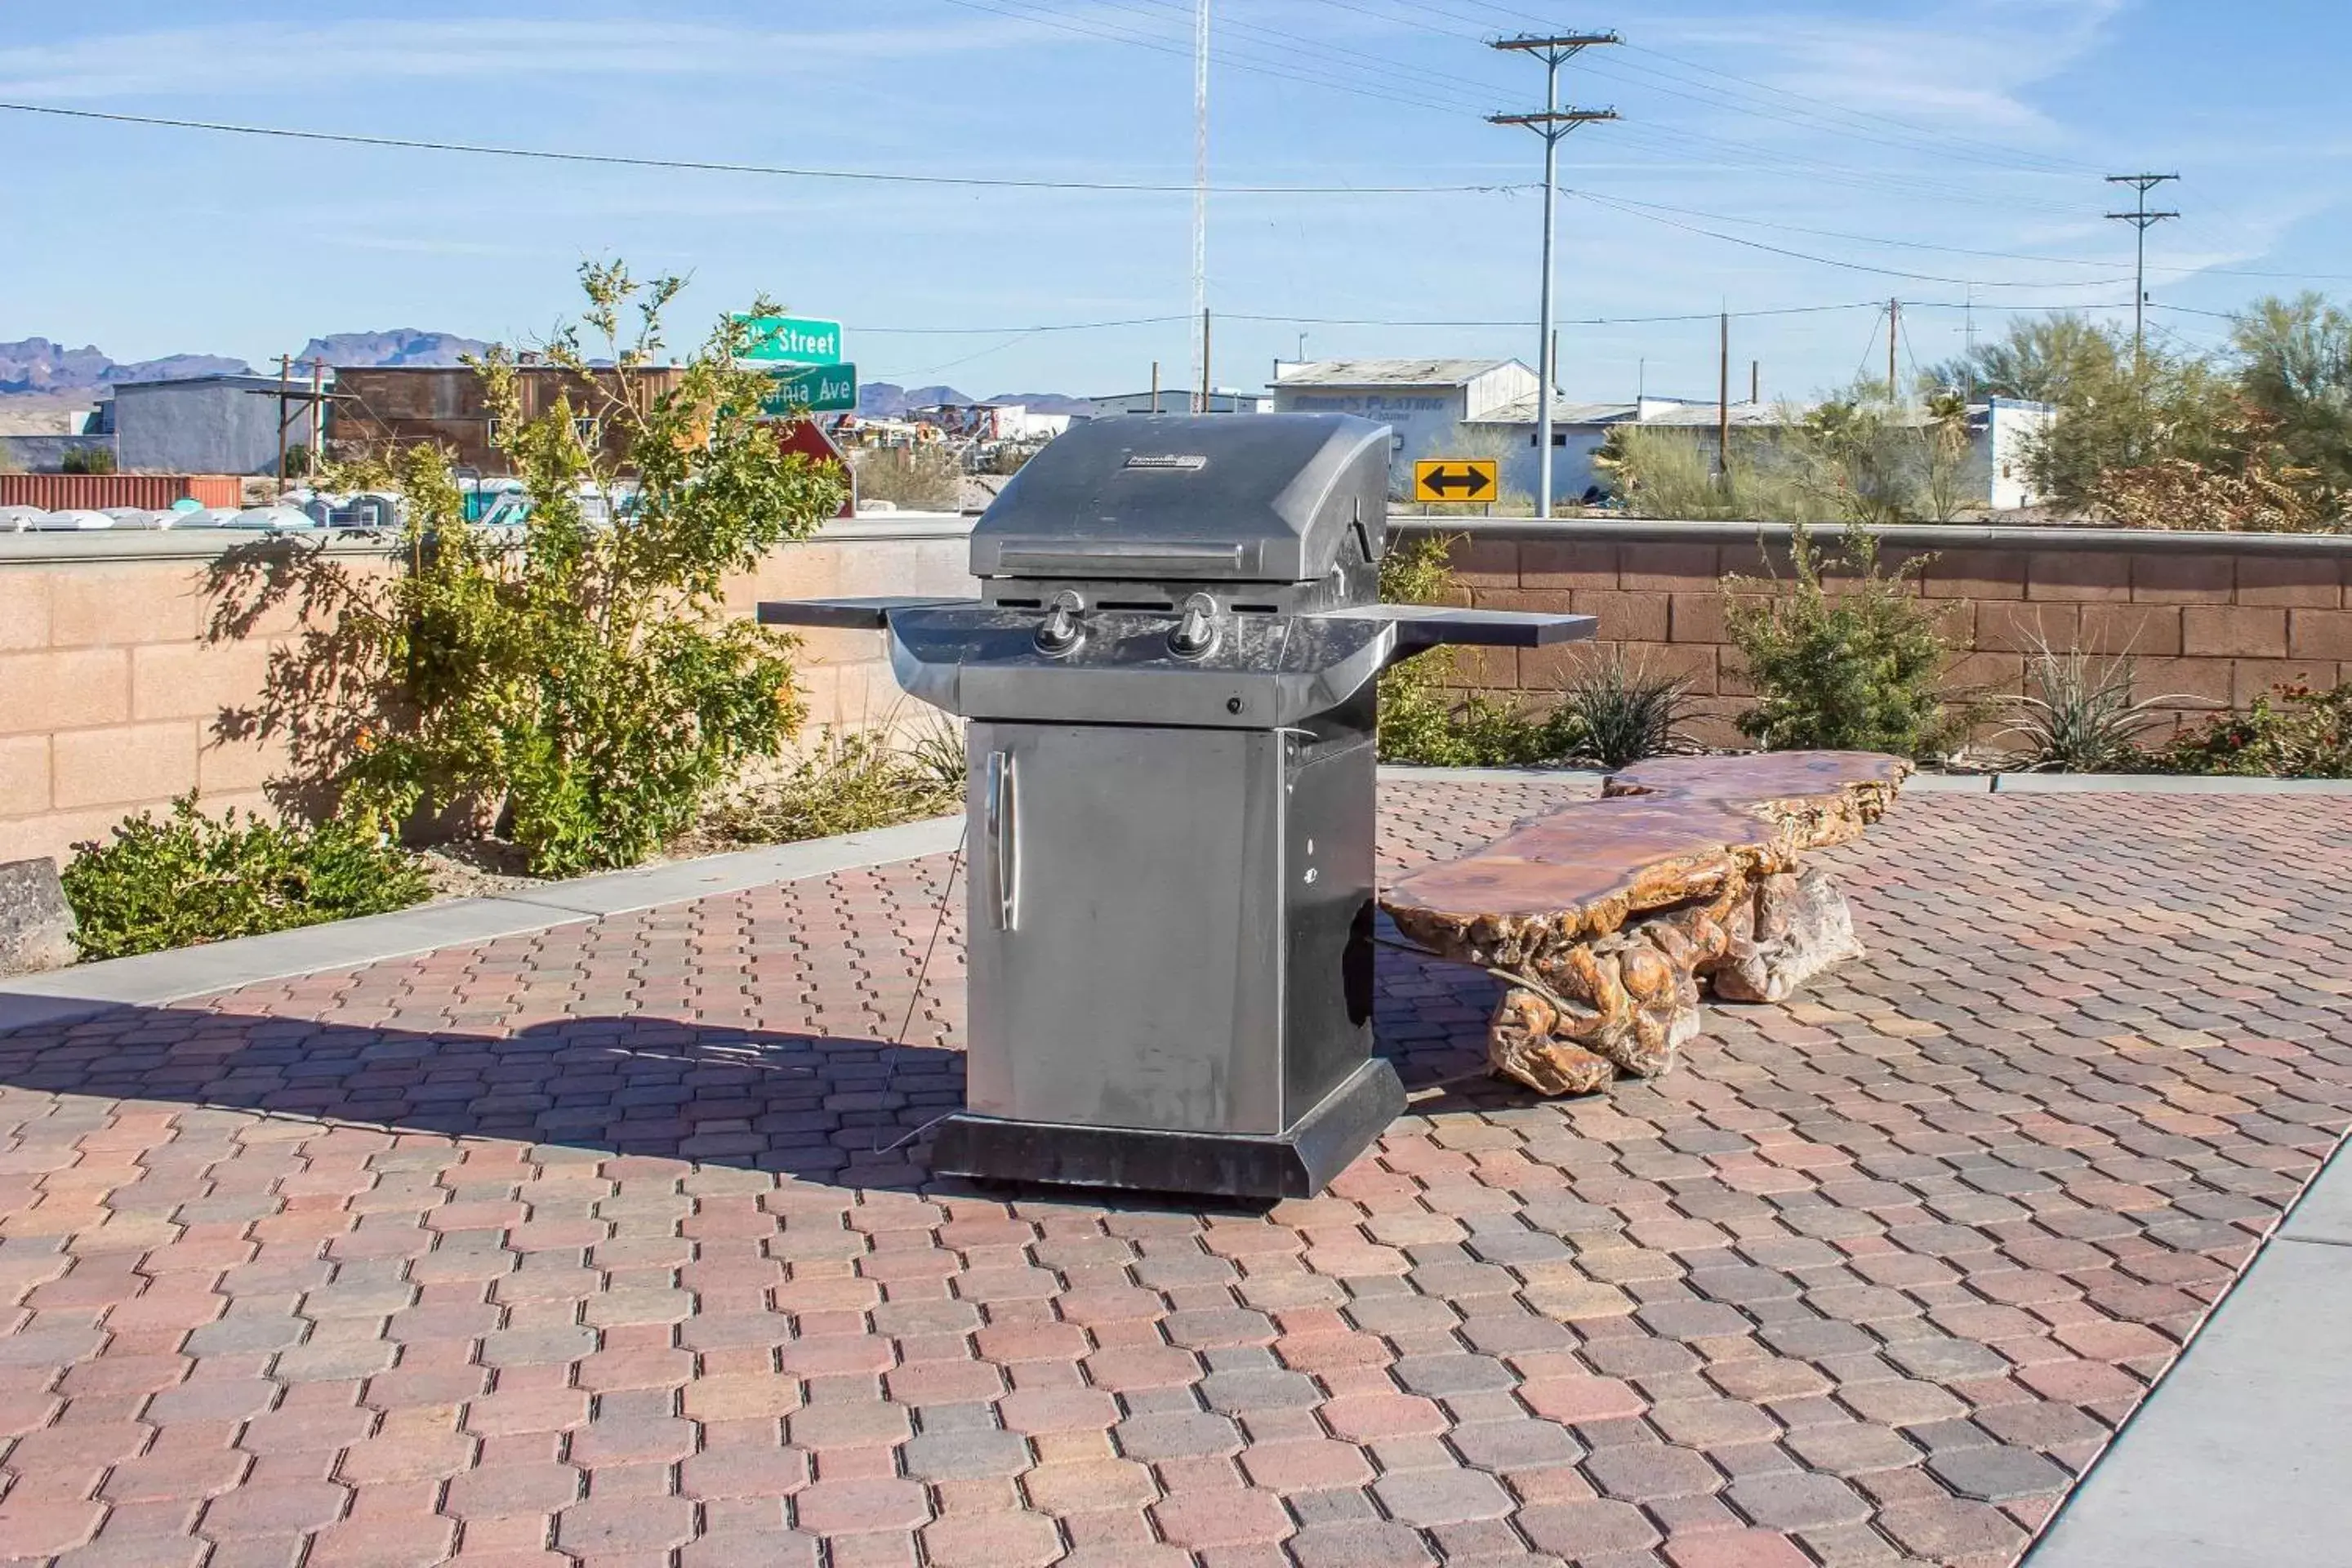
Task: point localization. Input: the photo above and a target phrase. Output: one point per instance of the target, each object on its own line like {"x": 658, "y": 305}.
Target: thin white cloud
{"x": 376, "y": 50}
{"x": 1960, "y": 67}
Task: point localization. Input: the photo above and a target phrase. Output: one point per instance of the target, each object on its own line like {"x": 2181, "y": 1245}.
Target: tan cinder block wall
{"x": 111, "y": 694}
{"x": 2209, "y": 618}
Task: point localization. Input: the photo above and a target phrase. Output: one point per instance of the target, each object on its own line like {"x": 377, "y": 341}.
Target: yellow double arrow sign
{"x": 1454, "y": 479}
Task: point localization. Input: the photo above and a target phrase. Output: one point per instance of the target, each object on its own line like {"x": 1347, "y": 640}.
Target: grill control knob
{"x": 1196, "y": 633}
{"x": 1061, "y": 629}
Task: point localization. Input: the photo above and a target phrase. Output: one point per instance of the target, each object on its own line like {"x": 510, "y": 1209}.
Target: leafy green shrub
{"x": 2307, "y": 733}
{"x": 87, "y": 460}
{"x": 575, "y": 682}
{"x": 1615, "y": 712}
{"x": 2082, "y": 717}
{"x": 190, "y": 878}
{"x": 850, "y": 783}
{"x": 1421, "y": 723}
{"x": 1855, "y": 670}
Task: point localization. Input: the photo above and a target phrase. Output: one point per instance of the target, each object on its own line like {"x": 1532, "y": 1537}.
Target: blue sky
{"x": 1976, "y": 127}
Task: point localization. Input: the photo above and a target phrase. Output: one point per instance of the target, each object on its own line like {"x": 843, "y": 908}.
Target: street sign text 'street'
{"x": 811, "y": 389}
{"x": 792, "y": 340}
{"x": 1454, "y": 479}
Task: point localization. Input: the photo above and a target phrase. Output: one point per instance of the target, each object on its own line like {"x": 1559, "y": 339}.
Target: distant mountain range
{"x": 402, "y": 345}
{"x": 888, "y": 400}
{"x": 53, "y": 373}
{"x": 38, "y": 367}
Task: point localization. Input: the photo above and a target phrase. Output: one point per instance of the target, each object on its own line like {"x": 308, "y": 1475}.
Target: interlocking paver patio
{"x": 615, "y": 1242}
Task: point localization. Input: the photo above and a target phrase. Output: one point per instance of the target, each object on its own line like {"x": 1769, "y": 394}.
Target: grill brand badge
{"x": 1168, "y": 462}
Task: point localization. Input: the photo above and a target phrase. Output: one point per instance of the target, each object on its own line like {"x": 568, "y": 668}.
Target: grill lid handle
{"x": 1114, "y": 558}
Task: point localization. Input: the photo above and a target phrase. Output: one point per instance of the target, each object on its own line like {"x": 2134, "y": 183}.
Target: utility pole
{"x": 2141, "y": 220}
{"x": 1755, "y": 382}
{"x": 1552, "y": 124}
{"x": 1201, "y": 186}
{"x": 318, "y": 416}
{"x": 1204, "y": 362}
{"x": 1723, "y": 405}
{"x": 285, "y": 374}
{"x": 1155, "y": 386}
{"x": 1894, "y": 332}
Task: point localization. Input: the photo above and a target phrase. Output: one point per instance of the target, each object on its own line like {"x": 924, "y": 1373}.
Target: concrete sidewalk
{"x": 2243, "y": 1455}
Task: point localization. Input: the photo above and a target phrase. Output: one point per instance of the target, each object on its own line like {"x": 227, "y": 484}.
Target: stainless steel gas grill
{"x": 1171, "y": 683}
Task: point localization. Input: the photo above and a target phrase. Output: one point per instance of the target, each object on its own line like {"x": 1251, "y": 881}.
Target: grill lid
{"x": 1259, "y": 497}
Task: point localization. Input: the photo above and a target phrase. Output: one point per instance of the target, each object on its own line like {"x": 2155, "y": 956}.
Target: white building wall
{"x": 1423, "y": 418}
{"x": 2013, "y": 425}
{"x": 1573, "y": 446}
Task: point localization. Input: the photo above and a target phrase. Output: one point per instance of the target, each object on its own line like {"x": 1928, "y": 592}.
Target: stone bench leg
{"x": 1787, "y": 929}
{"x": 1625, "y": 1004}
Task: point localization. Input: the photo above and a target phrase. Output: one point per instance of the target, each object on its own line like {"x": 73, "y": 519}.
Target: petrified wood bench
{"x": 1605, "y": 918}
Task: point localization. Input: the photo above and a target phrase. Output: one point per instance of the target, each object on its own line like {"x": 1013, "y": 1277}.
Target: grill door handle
{"x": 1003, "y": 843}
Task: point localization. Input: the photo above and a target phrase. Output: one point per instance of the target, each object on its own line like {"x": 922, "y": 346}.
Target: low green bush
{"x": 850, "y": 781}
{"x": 2305, "y": 733}
{"x": 191, "y": 878}
{"x": 1423, "y": 723}
{"x": 1854, "y": 668}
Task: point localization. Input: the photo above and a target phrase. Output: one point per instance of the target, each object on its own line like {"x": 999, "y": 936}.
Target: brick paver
{"x": 617, "y": 1243}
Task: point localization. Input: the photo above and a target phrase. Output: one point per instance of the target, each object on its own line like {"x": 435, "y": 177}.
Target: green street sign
{"x": 811, "y": 389}
{"x": 789, "y": 340}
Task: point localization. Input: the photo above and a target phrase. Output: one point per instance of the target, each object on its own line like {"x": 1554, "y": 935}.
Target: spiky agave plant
{"x": 2082, "y": 716}
{"x": 1621, "y": 714}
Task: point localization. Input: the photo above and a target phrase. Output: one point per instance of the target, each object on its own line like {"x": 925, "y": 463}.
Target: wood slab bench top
{"x": 1666, "y": 832}
{"x": 1587, "y": 868}
{"x": 1823, "y": 797}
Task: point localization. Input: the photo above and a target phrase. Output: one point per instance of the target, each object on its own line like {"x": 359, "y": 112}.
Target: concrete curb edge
{"x": 86, "y": 989}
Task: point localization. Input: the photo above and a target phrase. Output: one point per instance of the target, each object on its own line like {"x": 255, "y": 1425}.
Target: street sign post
{"x": 809, "y": 438}
{"x": 1454, "y": 479}
{"x": 811, "y": 389}
{"x": 792, "y": 340}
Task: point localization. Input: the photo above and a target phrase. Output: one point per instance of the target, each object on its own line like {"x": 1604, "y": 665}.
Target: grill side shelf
{"x": 1423, "y": 626}
{"x": 845, "y": 614}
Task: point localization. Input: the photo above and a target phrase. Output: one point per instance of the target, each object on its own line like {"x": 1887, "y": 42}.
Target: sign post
{"x": 1453, "y": 479}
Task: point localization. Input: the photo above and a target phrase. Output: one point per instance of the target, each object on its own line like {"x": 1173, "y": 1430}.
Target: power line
{"x": 1558, "y": 321}
{"x": 620, "y": 160}
{"x": 1633, "y": 211}
{"x": 1805, "y": 115}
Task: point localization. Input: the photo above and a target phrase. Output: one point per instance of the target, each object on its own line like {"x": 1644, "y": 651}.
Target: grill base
{"x": 1295, "y": 1164}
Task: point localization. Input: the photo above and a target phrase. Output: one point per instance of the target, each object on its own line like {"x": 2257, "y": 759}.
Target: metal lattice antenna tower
{"x": 2142, "y": 220}
{"x": 1201, "y": 200}
{"x": 1552, "y": 124}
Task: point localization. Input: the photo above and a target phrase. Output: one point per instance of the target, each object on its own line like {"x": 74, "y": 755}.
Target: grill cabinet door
{"x": 1138, "y": 982}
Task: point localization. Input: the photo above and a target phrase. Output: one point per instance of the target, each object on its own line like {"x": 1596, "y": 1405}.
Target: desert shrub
{"x": 87, "y": 460}
{"x": 574, "y": 682}
{"x": 191, "y": 878}
{"x": 1614, "y": 712}
{"x": 2082, "y": 716}
{"x": 848, "y": 783}
{"x": 1670, "y": 473}
{"x": 2305, "y": 733}
{"x": 1855, "y": 669}
{"x": 914, "y": 478}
